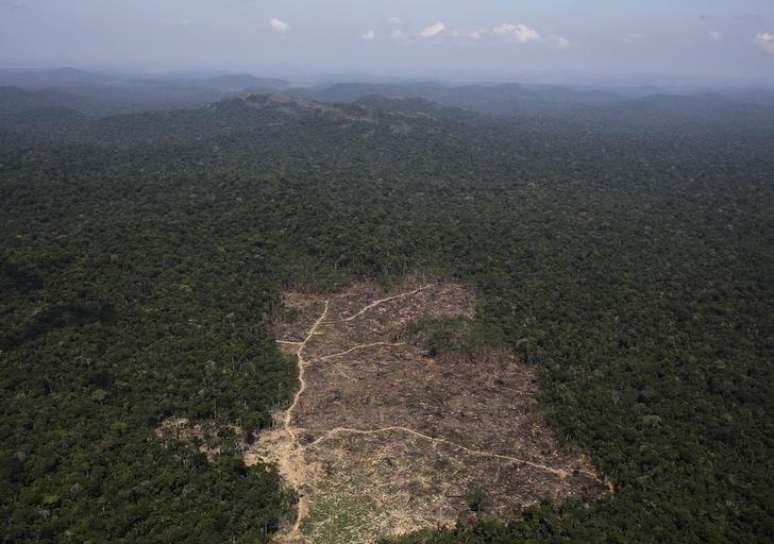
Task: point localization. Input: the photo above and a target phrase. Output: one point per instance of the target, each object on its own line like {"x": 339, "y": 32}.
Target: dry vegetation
{"x": 383, "y": 439}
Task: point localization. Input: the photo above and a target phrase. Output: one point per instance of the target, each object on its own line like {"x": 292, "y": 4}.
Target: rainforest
{"x": 392, "y": 313}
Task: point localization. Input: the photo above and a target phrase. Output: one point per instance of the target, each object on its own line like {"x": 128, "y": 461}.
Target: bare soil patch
{"x": 382, "y": 439}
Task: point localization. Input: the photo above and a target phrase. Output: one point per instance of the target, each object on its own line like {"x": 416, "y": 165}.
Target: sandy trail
{"x": 295, "y": 447}
{"x": 477, "y": 453}
{"x": 379, "y": 303}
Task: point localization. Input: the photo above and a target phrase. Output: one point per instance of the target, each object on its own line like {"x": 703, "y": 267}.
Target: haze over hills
{"x": 59, "y": 77}
{"x": 495, "y": 99}
{"x": 95, "y": 94}
{"x": 100, "y": 94}
{"x": 15, "y": 100}
{"x": 72, "y": 77}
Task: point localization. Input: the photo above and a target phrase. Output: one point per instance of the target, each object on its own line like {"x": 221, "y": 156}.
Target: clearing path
{"x": 382, "y": 439}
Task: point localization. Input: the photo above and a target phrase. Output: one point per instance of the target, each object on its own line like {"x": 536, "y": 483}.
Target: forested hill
{"x": 510, "y": 98}
{"x": 600, "y": 106}
{"x": 415, "y": 137}
{"x": 143, "y": 255}
{"x": 98, "y": 95}
{"x": 18, "y": 106}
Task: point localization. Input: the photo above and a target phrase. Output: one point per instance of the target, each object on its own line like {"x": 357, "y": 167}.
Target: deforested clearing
{"x": 384, "y": 437}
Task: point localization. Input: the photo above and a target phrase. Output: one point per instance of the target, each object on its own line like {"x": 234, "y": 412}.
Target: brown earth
{"x": 382, "y": 439}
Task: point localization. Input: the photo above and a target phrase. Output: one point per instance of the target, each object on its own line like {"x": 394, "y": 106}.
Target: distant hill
{"x": 694, "y": 109}
{"x": 16, "y": 101}
{"x": 503, "y": 99}
{"x": 295, "y": 134}
{"x": 238, "y": 82}
{"x": 48, "y": 110}
{"x": 225, "y": 83}
{"x": 561, "y": 104}
{"x": 58, "y": 77}
{"x": 678, "y": 103}
{"x": 416, "y": 107}
{"x": 761, "y": 97}
{"x": 100, "y": 94}
{"x": 266, "y": 110}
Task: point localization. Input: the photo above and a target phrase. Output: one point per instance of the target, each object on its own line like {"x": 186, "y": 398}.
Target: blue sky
{"x": 487, "y": 39}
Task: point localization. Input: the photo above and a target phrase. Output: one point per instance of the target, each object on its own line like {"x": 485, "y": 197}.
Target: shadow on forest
{"x": 59, "y": 316}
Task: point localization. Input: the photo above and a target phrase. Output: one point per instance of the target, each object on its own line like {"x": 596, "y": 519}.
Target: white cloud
{"x": 559, "y": 41}
{"x": 279, "y": 26}
{"x": 433, "y": 30}
{"x": 765, "y": 41}
{"x": 520, "y": 33}
{"x": 368, "y": 36}
{"x": 395, "y": 21}
{"x": 715, "y": 36}
{"x": 397, "y": 35}
{"x": 633, "y": 37}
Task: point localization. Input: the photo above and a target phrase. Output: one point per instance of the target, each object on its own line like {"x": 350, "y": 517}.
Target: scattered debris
{"x": 382, "y": 439}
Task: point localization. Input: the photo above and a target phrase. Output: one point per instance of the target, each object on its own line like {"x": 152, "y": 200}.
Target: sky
{"x": 709, "y": 40}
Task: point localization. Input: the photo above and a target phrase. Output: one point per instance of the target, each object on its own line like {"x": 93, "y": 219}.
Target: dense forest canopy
{"x": 627, "y": 249}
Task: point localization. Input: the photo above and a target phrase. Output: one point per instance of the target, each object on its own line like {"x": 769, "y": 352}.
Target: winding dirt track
{"x": 378, "y": 303}
{"x": 302, "y": 383}
{"x": 478, "y": 453}
{"x": 290, "y": 456}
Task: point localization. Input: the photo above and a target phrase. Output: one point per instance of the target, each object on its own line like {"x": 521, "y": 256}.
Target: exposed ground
{"x": 382, "y": 439}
